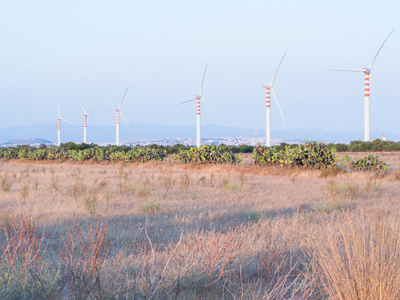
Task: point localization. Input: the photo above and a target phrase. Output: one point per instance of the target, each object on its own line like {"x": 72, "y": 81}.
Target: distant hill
{"x": 26, "y": 141}
{"x": 106, "y": 134}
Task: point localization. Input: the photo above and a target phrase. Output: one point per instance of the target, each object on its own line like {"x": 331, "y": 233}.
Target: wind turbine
{"x": 367, "y": 73}
{"x": 269, "y": 88}
{"x": 118, "y": 111}
{"x": 198, "y": 98}
{"x": 85, "y": 114}
{"x": 59, "y": 125}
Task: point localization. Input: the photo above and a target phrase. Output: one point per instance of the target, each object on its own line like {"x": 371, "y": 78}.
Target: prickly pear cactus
{"x": 207, "y": 154}
{"x": 312, "y": 155}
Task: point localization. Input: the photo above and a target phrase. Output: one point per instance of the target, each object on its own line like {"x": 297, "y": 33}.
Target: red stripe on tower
{"x": 117, "y": 117}
{"x": 198, "y": 106}
{"x": 268, "y": 97}
{"x": 84, "y": 121}
{"x": 366, "y": 89}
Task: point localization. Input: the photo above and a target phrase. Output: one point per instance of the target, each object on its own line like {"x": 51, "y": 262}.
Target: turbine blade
{"x": 359, "y": 70}
{"x": 84, "y": 111}
{"x": 66, "y": 121}
{"x": 126, "y": 121}
{"x": 123, "y": 98}
{"x": 380, "y": 91}
{"x": 59, "y": 114}
{"x": 370, "y": 66}
{"x": 276, "y": 72}
{"x": 185, "y": 102}
{"x": 276, "y": 100}
{"x": 202, "y": 83}
{"x": 210, "y": 107}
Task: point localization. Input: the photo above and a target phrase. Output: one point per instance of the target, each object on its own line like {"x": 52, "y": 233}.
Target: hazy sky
{"x": 72, "y": 52}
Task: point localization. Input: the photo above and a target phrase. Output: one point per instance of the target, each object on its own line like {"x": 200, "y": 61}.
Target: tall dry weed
{"x": 359, "y": 258}
{"x": 5, "y": 183}
{"x": 24, "y": 191}
{"x": 83, "y": 259}
{"x": 185, "y": 182}
{"x": 21, "y": 258}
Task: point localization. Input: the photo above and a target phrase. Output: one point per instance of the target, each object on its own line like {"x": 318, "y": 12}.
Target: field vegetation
{"x": 163, "y": 229}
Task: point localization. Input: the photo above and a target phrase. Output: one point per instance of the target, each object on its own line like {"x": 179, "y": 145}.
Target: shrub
{"x": 311, "y": 155}
{"x": 332, "y": 172}
{"x": 368, "y": 163}
{"x": 90, "y": 204}
{"x": 150, "y": 206}
{"x": 207, "y": 154}
{"x": 5, "y": 184}
{"x": 143, "y": 192}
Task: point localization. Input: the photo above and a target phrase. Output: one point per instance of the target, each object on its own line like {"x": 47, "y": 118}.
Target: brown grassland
{"x": 171, "y": 231}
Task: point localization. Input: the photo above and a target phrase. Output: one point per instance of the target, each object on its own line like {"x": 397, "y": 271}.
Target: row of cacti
{"x": 211, "y": 154}
{"x": 204, "y": 154}
{"x": 312, "y": 155}
{"x": 97, "y": 154}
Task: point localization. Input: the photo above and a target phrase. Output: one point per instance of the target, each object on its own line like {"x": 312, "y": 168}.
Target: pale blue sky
{"x": 72, "y": 52}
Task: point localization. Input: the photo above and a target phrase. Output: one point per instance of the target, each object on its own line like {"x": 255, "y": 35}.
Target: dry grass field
{"x": 172, "y": 231}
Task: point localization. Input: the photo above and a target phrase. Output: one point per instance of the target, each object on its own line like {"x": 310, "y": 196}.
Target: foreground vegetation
{"x": 355, "y": 146}
{"x": 310, "y": 155}
{"x": 197, "y": 231}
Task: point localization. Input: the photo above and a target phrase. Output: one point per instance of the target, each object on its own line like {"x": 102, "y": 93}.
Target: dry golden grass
{"x": 359, "y": 258}
{"x": 204, "y": 232}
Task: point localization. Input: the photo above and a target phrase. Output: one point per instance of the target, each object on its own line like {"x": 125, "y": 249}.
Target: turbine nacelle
{"x": 85, "y": 113}
{"x": 266, "y": 86}
{"x": 366, "y": 70}
{"x": 59, "y": 116}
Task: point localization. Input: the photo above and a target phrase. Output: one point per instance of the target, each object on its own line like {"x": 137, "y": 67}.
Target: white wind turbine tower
{"x": 118, "y": 111}
{"x": 198, "y": 98}
{"x": 367, "y": 73}
{"x": 85, "y": 114}
{"x": 269, "y": 88}
{"x": 59, "y": 125}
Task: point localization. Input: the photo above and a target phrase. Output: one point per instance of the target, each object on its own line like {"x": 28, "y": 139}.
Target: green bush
{"x": 207, "y": 154}
{"x": 311, "y": 155}
{"x": 82, "y": 152}
{"x": 369, "y": 163}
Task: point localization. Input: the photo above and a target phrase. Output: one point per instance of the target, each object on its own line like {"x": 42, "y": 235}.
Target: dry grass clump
{"x": 332, "y": 172}
{"x": 150, "y": 206}
{"x": 346, "y": 190}
{"x": 359, "y": 258}
{"x": 5, "y": 183}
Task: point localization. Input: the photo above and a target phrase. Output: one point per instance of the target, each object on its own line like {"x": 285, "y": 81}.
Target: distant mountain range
{"x": 26, "y": 141}
{"x": 106, "y": 134}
